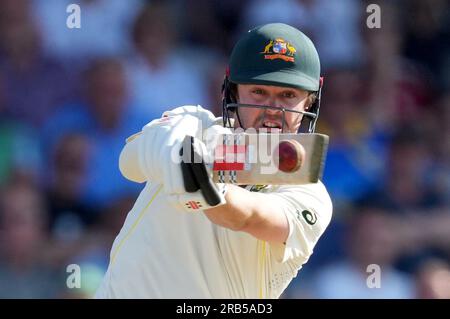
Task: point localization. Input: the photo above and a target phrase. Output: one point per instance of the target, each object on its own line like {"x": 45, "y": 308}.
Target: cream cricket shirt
{"x": 162, "y": 252}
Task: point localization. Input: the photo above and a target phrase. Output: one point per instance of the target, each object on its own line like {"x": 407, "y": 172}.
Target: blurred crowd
{"x": 70, "y": 97}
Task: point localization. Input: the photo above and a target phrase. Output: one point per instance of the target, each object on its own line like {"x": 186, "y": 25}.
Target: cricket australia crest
{"x": 279, "y": 49}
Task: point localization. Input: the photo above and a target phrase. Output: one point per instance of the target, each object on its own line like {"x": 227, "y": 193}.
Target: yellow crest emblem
{"x": 279, "y": 49}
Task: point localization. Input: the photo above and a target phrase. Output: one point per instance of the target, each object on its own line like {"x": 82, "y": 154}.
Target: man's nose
{"x": 275, "y": 106}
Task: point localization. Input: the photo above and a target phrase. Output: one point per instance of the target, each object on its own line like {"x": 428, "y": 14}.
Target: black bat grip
{"x": 190, "y": 183}
{"x": 202, "y": 179}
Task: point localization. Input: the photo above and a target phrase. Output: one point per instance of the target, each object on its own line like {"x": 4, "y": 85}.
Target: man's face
{"x": 274, "y": 96}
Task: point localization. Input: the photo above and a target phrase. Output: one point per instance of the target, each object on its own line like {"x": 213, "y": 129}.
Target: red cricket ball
{"x": 291, "y": 155}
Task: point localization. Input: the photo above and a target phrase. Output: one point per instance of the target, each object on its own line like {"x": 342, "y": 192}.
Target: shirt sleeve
{"x": 308, "y": 209}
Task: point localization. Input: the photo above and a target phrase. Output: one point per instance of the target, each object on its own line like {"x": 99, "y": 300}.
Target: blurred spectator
{"x": 409, "y": 194}
{"x": 161, "y": 77}
{"x": 217, "y": 28}
{"x": 68, "y": 214}
{"x": 370, "y": 240}
{"x": 440, "y": 172}
{"x": 407, "y": 187}
{"x": 92, "y": 253}
{"x": 356, "y": 153}
{"x": 24, "y": 272}
{"x": 20, "y": 156}
{"x": 26, "y": 68}
{"x": 106, "y": 118}
{"x": 426, "y": 37}
{"x": 207, "y": 32}
{"x": 105, "y": 27}
{"x": 112, "y": 219}
{"x": 433, "y": 280}
{"x": 399, "y": 91}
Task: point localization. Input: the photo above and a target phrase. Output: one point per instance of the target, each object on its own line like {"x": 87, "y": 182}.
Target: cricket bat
{"x": 252, "y": 159}
{"x": 269, "y": 159}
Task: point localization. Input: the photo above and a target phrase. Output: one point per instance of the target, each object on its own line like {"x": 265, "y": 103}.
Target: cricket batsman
{"x": 190, "y": 237}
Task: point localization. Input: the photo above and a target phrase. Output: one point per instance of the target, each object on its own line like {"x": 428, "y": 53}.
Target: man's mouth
{"x": 272, "y": 126}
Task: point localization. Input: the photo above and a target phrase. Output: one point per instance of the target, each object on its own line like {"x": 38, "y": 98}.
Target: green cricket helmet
{"x": 273, "y": 54}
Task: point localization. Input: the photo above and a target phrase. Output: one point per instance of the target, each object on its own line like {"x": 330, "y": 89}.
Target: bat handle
{"x": 196, "y": 175}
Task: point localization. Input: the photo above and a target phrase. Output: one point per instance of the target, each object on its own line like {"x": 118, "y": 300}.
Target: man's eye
{"x": 258, "y": 91}
{"x": 288, "y": 95}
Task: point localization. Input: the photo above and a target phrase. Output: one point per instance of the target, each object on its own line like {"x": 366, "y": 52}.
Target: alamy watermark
{"x": 73, "y": 21}
{"x": 373, "y": 20}
{"x": 374, "y": 278}
{"x": 74, "y": 278}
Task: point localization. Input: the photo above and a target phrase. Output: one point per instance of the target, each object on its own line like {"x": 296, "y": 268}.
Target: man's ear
{"x": 312, "y": 96}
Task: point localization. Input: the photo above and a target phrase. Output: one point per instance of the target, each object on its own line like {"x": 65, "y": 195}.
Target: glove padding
{"x": 182, "y": 170}
{"x": 159, "y": 148}
{"x": 201, "y": 192}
